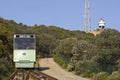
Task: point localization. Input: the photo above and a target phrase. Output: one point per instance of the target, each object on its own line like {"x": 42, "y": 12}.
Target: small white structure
{"x": 101, "y": 23}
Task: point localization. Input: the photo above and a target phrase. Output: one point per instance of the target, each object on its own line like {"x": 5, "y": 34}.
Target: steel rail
{"x": 32, "y": 74}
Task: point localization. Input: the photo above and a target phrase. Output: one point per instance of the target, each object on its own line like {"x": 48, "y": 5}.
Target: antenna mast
{"x": 87, "y": 25}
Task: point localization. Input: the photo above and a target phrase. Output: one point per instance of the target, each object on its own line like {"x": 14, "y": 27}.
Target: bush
{"x": 70, "y": 67}
{"x": 86, "y": 67}
{"x": 61, "y": 60}
{"x": 101, "y": 76}
{"x": 114, "y": 76}
{"x": 3, "y": 78}
{"x": 87, "y": 74}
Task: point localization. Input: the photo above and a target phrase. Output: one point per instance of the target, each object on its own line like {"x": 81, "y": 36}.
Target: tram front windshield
{"x": 24, "y": 43}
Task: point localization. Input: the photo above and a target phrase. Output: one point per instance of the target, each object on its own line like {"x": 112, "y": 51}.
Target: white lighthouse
{"x": 101, "y": 23}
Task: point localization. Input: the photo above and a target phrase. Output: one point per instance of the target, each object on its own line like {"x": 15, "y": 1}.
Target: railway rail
{"x": 30, "y": 75}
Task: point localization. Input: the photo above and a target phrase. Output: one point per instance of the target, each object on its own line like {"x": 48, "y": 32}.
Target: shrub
{"x": 3, "y": 78}
{"x": 101, "y": 76}
{"x": 87, "y": 74}
{"x": 61, "y": 60}
{"x": 114, "y": 76}
{"x": 86, "y": 67}
{"x": 70, "y": 67}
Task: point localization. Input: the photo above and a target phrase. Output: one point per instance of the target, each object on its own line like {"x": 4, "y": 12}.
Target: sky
{"x": 67, "y": 14}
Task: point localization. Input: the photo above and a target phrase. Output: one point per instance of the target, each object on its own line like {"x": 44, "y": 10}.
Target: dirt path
{"x": 49, "y": 67}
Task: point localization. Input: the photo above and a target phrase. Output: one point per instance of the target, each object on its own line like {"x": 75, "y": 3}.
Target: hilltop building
{"x": 101, "y": 23}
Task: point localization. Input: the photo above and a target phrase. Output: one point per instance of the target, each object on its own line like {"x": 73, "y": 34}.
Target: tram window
{"x": 24, "y": 43}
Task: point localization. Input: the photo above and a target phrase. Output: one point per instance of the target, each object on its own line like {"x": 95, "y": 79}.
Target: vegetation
{"x": 91, "y": 55}
{"x": 96, "y": 57}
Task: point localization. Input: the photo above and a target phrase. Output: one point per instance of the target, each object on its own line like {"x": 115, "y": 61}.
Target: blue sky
{"x": 68, "y": 14}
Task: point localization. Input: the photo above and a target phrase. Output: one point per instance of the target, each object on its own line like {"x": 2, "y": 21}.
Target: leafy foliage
{"x": 83, "y": 53}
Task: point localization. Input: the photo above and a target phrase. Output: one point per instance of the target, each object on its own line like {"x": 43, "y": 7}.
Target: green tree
{"x": 65, "y": 46}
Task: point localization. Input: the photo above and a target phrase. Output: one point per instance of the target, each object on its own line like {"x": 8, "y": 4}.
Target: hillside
{"x": 82, "y": 53}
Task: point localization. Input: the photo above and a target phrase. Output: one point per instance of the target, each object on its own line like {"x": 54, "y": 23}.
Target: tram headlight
{"x": 24, "y": 53}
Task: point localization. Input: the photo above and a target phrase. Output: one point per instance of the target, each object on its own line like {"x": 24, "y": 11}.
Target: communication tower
{"x": 87, "y": 24}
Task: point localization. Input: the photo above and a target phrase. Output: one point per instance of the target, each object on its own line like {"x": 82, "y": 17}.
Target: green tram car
{"x": 24, "y": 50}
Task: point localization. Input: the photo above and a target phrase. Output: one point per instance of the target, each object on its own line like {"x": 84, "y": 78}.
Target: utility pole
{"x": 87, "y": 24}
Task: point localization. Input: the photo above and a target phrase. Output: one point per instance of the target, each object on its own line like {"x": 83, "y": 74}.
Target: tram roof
{"x": 24, "y": 35}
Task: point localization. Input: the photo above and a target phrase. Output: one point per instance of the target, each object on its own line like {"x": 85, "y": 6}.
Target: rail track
{"x": 30, "y": 75}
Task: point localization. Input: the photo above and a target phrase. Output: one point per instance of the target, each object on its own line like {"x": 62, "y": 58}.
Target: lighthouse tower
{"x": 101, "y": 23}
